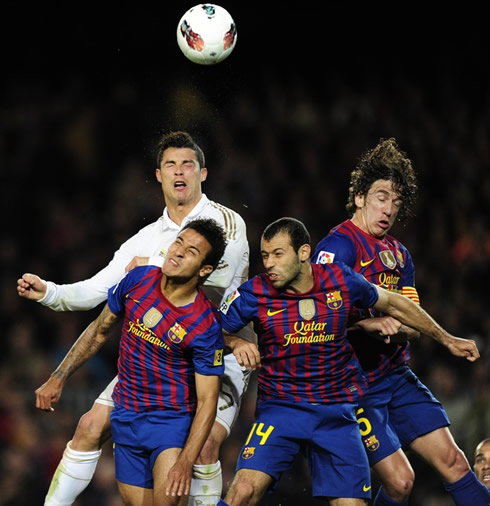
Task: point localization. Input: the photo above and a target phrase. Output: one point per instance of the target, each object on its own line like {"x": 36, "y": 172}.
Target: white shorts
{"x": 234, "y": 383}
{"x": 106, "y": 396}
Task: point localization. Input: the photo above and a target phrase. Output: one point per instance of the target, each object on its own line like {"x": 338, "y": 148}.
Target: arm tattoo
{"x": 87, "y": 345}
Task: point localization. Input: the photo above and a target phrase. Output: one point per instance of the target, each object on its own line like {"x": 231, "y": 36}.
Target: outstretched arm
{"x": 411, "y": 314}
{"x": 89, "y": 293}
{"x": 85, "y": 347}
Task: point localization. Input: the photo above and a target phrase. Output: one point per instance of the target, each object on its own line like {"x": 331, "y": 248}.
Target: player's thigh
{"x": 440, "y": 450}
{"x": 378, "y": 437}
{"x": 338, "y": 463}
{"x": 140, "y": 438}
{"x": 94, "y": 428}
{"x": 132, "y": 495}
{"x": 274, "y": 441}
{"x": 163, "y": 463}
{"x": 248, "y": 487}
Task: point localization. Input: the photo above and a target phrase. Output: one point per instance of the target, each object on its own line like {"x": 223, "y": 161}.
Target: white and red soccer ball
{"x": 206, "y": 34}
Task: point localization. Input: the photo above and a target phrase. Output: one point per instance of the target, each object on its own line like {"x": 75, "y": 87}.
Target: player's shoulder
{"x": 396, "y": 243}
{"x": 143, "y": 272}
{"x": 229, "y": 219}
{"x": 336, "y": 245}
{"x": 331, "y": 269}
{"x": 250, "y": 286}
{"x": 138, "y": 276}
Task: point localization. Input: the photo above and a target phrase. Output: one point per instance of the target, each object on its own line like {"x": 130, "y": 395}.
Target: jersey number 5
{"x": 363, "y": 421}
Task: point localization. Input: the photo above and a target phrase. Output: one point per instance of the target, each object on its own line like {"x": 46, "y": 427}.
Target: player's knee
{"x": 210, "y": 451}
{"x": 458, "y": 464}
{"x": 399, "y": 486}
{"x": 241, "y": 492}
{"x": 94, "y": 428}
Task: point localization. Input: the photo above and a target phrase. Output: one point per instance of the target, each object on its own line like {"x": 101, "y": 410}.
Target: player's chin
{"x": 277, "y": 284}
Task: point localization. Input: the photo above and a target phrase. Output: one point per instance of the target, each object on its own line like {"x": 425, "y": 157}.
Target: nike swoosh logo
{"x": 364, "y": 264}
{"x": 272, "y": 313}
{"x": 365, "y": 489}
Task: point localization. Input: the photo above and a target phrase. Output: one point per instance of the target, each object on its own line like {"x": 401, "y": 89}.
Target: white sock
{"x": 206, "y": 485}
{"x": 71, "y": 477}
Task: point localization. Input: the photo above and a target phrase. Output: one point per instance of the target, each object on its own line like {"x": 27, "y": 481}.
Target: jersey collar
{"x": 167, "y": 223}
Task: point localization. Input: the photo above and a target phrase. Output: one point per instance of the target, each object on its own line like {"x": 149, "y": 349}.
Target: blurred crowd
{"x": 77, "y": 172}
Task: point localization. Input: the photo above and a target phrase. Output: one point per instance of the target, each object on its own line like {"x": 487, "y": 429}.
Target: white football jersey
{"x": 153, "y": 241}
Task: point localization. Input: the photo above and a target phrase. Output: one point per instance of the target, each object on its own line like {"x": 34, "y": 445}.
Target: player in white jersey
{"x": 180, "y": 170}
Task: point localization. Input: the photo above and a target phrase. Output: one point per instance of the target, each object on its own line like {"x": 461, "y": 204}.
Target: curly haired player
{"x": 398, "y": 412}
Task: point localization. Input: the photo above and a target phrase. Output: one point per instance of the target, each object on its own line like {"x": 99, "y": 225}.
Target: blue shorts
{"x": 397, "y": 409}
{"x": 327, "y": 434}
{"x": 140, "y": 437}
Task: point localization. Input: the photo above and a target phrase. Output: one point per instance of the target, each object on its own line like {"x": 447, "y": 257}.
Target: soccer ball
{"x": 206, "y": 34}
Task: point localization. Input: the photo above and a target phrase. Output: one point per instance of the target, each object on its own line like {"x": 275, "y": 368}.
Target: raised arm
{"x": 411, "y": 314}
{"x": 89, "y": 293}
{"x": 180, "y": 475}
{"x": 85, "y": 347}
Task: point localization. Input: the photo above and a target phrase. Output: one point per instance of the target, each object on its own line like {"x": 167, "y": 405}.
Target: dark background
{"x": 86, "y": 89}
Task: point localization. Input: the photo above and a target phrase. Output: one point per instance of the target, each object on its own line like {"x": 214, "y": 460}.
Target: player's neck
{"x": 358, "y": 221}
{"x": 178, "y": 292}
{"x": 178, "y": 211}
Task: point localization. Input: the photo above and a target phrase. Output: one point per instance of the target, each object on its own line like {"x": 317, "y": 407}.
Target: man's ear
{"x": 158, "y": 175}
{"x": 205, "y": 270}
{"x": 359, "y": 200}
{"x": 304, "y": 252}
{"x": 204, "y": 174}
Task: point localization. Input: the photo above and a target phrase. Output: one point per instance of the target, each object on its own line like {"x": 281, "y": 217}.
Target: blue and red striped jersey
{"x": 302, "y": 340}
{"x": 162, "y": 346}
{"x": 384, "y": 262}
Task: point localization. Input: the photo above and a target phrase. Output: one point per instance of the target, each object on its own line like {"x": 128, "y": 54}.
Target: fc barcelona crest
{"x": 177, "y": 333}
{"x": 372, "y": 443}
{"x": 307, "y": 309}
{"x": 248, "y": 452}
{"x": 388, "y": 258}
{"x": 151, "y": 318}
{"x": 334, "y": 299}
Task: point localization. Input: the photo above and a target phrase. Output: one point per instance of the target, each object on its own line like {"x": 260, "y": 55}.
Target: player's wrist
{"x": 230, "y": 342}
{"x": 59, "y": 377}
